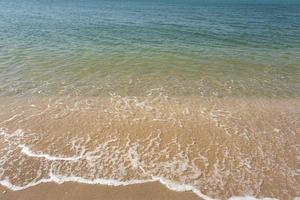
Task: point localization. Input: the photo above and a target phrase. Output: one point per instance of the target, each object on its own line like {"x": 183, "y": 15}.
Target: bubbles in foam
{"x": 57, "y": 163}
{"x": 209, "y": 150}
{"x": 28, "y": 152}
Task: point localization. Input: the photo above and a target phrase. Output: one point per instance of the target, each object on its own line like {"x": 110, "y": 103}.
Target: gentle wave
{"x": 60, "y": 179}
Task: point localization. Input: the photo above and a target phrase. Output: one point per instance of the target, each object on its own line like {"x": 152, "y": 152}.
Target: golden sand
{"x": 222, "y": 147}
{"x": 76, "y": 191}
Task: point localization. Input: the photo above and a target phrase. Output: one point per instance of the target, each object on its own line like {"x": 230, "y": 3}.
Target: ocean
{"x": 201, "y": 96}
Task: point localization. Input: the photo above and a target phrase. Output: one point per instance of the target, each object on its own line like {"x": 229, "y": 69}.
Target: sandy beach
{"x": 149, "y": 100}
{"x": 205, "y": 152}
{"x": 76, "y": 191}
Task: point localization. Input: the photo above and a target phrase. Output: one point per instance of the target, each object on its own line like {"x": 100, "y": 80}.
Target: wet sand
{"x": 220, "y": 147}
{"x": 76, "y": 191}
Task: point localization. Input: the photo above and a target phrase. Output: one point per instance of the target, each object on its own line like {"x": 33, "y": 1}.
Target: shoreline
{"x": 70, "y": 190}
{"x": 78, "y": 191}
{"x": 81, "y": 143}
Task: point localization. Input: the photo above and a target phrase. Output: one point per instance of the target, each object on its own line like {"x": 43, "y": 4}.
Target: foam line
{"x": 59, "y": 179}
{"x": 180, "y": 187}
{"x": 28, "y": 152}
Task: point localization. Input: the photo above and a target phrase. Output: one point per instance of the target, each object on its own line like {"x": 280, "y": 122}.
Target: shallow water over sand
{"x": 200, "y": 97}
{"x": 217, "y": 147}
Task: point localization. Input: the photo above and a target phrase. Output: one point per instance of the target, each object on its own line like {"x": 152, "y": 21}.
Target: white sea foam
{"x": 178, "y": 187}
{"x": 17, "y": 133}
{"x": 28, "y": 152}
{"x": 250, "y": 198}
{"x": 133, "y": 157}
{"x": 59, "y": 179}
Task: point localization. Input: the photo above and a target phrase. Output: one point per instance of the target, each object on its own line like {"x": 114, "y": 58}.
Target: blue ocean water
{"x": 199, "y": 95}
{"x": 252, "y": 46}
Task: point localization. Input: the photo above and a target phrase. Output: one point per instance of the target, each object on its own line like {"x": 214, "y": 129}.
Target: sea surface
{"x": 198, "y": 95}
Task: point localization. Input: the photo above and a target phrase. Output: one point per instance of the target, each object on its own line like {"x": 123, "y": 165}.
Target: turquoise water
{"x": 187, "y": 47}
{"x": 200, "y": 96}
